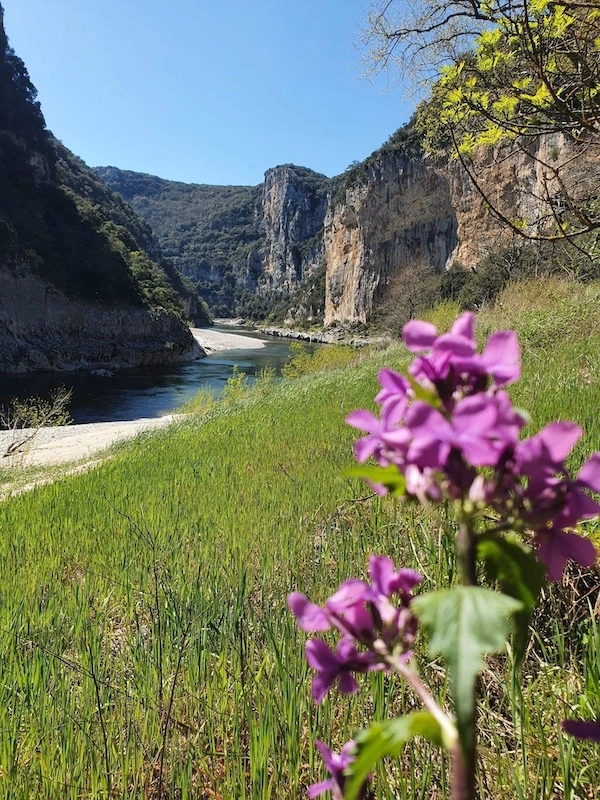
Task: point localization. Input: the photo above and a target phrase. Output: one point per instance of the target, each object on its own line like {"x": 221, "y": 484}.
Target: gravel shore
{"x": 211, "y": 341}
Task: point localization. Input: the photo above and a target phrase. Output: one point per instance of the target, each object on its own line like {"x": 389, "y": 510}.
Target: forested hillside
{"x": 223, "y": 237}
{"x": 66, "y": 237}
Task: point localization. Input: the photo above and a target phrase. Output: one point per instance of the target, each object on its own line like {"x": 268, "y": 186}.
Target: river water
{"x": 149, "y": 391}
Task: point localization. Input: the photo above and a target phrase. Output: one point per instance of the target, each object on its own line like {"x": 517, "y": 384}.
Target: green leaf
{"x": 390, "y": 477}
{"x": 465, "y": 623}
{"x": 387, "y": 739}
{"x": 428, "y": 396}
{"x": 520, "y": 575}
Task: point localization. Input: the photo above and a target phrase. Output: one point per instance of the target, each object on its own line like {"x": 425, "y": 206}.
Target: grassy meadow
{"x": 146, "y": 648}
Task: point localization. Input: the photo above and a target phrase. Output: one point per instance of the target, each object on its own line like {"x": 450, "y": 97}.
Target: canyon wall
{"x": 305, "y": 247}
{"x": 41, "y": 329}
{"x": 399, "y": 213}
{"x": 402, "y": 211}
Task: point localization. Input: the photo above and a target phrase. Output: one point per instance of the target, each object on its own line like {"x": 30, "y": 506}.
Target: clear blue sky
{"x": 205, "y": 91}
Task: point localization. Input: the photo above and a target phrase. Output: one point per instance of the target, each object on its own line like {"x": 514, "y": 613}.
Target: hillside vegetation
{"x": 216, "y": 235}
{"x": 60, "y": 222}
{"x": 147, "y": 649}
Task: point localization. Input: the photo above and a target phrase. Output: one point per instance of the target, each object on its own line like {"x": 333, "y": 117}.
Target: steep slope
{"x": 392, "y": 212}
{"x": 400, "y": 214}
{"x": 80, "y": 284}
{"x": 247, "y": 249}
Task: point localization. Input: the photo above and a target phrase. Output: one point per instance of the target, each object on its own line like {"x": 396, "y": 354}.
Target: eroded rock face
{"x": 410, "y": 211}
{"x": 519, "y": 182}
{"x": 43, "y": 330}
{"x": 293, "y": 212}
{"x": 400, "y": 213}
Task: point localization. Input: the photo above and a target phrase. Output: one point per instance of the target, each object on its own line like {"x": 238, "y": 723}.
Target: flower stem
{"x": 463, "y": 753}
{"x": 427, "y": 699}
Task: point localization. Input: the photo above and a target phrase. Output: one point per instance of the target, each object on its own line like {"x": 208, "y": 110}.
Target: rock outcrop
{"x": 41, "y": 330}
{"x": 400, "y": 212}
{"x": 311, "y": 247}
{"x": 245, "y": 248}
{"x": 292, "y": 212}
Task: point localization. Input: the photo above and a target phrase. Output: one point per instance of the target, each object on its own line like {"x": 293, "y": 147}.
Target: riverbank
{"x": 67, "y": 444}
{"x": 212, "y": 341}
{"x": 336, "y": 336}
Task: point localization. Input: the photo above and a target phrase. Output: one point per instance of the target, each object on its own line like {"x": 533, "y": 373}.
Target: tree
{"x": 20, "y": 111}
{"x": 25, "y": 418}
{"x": 520, "y": 76}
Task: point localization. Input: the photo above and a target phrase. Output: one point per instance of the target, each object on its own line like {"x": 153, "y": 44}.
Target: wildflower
{"x": 336, "y": 764}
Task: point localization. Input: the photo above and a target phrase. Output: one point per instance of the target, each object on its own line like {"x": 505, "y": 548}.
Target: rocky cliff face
{"x": 292, "y": 213}
{"x": 41, "y": 329}
{"x": 245, "y": 248}
{"x": 399, "y": 213}
{"x": 334, "y": 249}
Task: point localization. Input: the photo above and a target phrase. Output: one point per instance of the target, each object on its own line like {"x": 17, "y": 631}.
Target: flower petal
{"x": 501, "y": 357}
{"x": 310, "y": 616}
{"x": 589, "y": 474}
{"x": 582, "y": 729}
{"x": 419, "y": 335}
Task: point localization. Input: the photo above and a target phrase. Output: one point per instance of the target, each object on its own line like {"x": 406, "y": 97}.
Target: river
{"x": 149, "y": 391}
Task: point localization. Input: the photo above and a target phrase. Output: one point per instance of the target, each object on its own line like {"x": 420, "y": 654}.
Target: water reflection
{"x": 148, "y": 391}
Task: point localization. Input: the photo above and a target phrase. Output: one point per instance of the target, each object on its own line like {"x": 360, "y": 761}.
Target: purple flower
{"x": 348, "y": 612}
{"x": 551, "y": 502}
{"x": 374, "y": 443}
{"x": 556, "y": 547}
{"x": 386, "y": 581}
{"x": 582, "y": 730}
{"x": 364, "y": 615}
{"x": 501, "y": 358}
{"x": 419, "y": 336}
{"x": 395, "y": 390}
{"x": 339, "y": 666}
{"x": 477, "y": 428}
{"x": 310, "y": 616}
{"x": 452, "y": 364}
{"x": 336, "y": 764}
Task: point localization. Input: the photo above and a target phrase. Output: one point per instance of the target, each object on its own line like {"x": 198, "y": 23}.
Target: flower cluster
{"x": 450, "y": 429}
{"x": 364, "y": 615}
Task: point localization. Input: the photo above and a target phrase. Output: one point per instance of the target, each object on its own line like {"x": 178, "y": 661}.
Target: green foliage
{"x": 465, "y": 623}
{"x": 213, "y": 234}
{"x": 20, "y": 111}
{"x": 384, "y": 739}
{"x": 474, "y": 288}
{"x": 243, "y": 505}
{"x": 305, "y": 362}
{"x": 520, "y": 575}
{"x": 236, "y": 388}
{"x": 531, "y": 70}
{"x": 389, "y": 477}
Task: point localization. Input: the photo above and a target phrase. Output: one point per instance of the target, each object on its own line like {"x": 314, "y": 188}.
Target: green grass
{"x": 146, "y": 647}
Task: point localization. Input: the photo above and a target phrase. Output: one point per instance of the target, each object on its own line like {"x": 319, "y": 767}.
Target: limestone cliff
{"x": 246, "y": 249}
{"x": 292, "y": 211}
{"x": 41, "y": 329}
{"x": 399, "y": 212}
{"x": 303, "y": 246}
